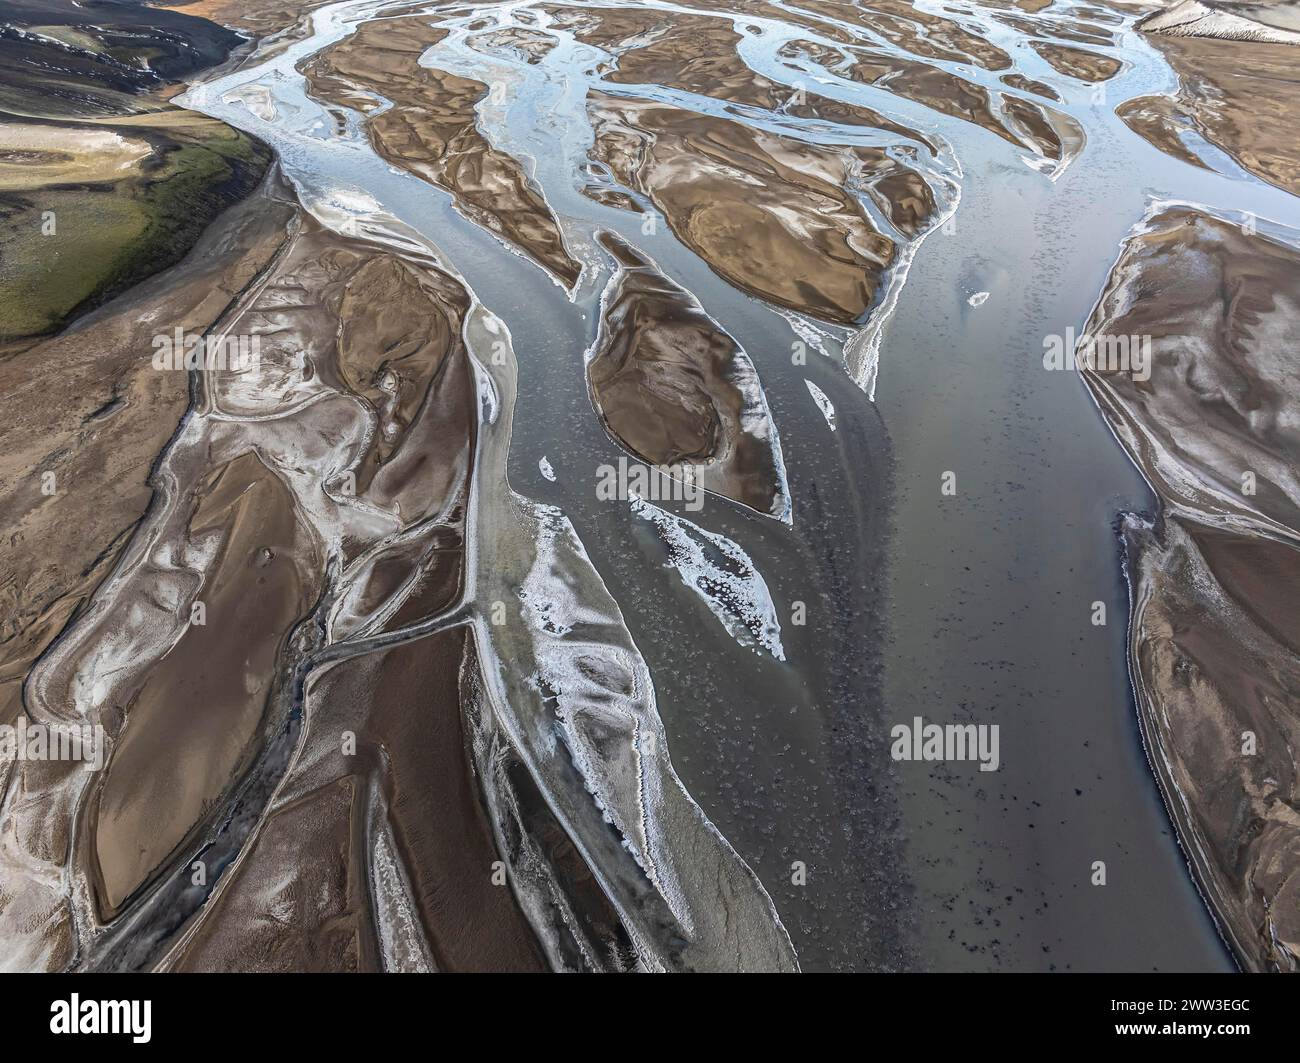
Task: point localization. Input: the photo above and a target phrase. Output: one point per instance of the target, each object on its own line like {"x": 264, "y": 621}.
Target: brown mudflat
{"x": 192, "y": 723}
{"x": 381, "y": 857}
{"x": 87, "y": 408}
{"x": 1161, "y": 120}
{"x": 532, "y": 45}
{"x": 392, "y": 836}
{"x": 1214, "y": 635}
{"x": 663, "y": 379}
{"x": 1239, "y": 95}
{"x": 1019, "y": 81}
{"x": 1078, "y": 63}
{"x": 948, "y": 94}
{"x": 913, "y": 30}
{"x": 1032, "y": 6}
{"x": 1033, "y": 123}
{"x": 190, "y": 714}
{"x": 1221, "y": 308}
{"x": 769, "y": 214}
{"x": 1219, "y": 686}
{"x": 698, "y": 54}
{"x": 1058, "y": 29}
{"x": 431, "y": 131}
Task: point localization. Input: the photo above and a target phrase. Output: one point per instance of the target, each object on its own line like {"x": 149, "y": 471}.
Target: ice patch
{"x": 257, "y": 98}
{"x": 722, "y": 574}
{"x": 823, "y": 403}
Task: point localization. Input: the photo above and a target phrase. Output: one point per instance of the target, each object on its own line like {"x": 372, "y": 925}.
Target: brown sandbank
{"x": 664, "y": 380}
{"x": 1239, "y": 95}
{"x": 1214, "y": 638}
{"x": 431, "y": 131}
{"x": 768, "y": 213}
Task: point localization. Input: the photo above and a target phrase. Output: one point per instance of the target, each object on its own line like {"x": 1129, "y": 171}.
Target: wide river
{"x": 974, "y": 604}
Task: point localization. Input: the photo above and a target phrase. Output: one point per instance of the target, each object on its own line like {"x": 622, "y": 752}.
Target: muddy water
{"x": 969, "y": 607}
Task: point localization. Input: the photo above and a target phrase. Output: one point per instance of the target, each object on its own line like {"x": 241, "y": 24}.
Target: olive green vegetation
{"x": 43, "y": 278}
{"x": 110, "y": 235}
